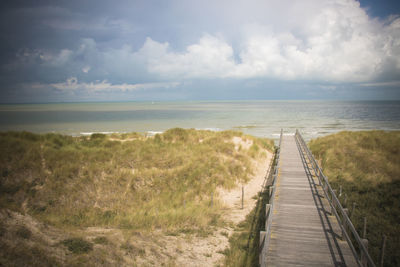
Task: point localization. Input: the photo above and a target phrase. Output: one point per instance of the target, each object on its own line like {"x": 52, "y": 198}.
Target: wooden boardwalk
{"x": 303, "y": 231}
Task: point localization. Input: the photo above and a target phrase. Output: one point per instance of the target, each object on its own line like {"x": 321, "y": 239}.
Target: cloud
{"x": 330, "y": 41}
{"x": 34, "y": 58}
{"x": 209, "y": 58}
{"x": 86, "y": 69}
{"x": 338, "y": 42}
{"x": 72, "y": 84}
{"x": 132, "y": 46}
{"x": 382, "y": 84}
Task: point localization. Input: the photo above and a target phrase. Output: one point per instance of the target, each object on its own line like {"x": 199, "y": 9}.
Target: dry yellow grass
{"x": 367, "y": 166}
{"x": 128, "y": 181}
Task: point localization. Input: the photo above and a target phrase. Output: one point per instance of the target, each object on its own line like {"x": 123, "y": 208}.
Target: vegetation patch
{"x": 128, "y": 181}
{"x": 23, "y": 232}
{"x": 131, "y": 182}
{"x": 25, "y": 255}
{"x": 100, "y": 240}
{"x": 367, "y": 167}
{"x": 77, "y": 245}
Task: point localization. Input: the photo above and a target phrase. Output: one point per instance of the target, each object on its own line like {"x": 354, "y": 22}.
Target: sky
{"x": 177, "y": 50}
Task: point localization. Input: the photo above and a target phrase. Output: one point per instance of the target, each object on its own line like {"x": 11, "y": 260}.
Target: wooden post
{"x": 212, "y": 198}
{"x": 262, "y": 237}
{"x": 326, "y": 187}
{"x": 345, "y": 200}
{"x": 364, "y": 261}
{"x": 383, "y": 250}
{"x": 365, "y": 228}
{"x": 267, "y": 211}
{"x": 333, "y": 206}
{"x": 261, "y": 257}
{"x": 320, "y": 176}
{"x": 242, "y": 195}
{"x": 352, "y": 211}
{"x": 340, "y": 191}
{"x": 346, "y": 211}
{"x": 271, "y": 188}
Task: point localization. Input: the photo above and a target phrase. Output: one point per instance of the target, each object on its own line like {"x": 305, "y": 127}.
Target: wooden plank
{"x": 303, "y": 232}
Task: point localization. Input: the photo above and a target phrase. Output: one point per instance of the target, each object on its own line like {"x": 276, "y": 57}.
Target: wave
{"x": 90, "y": 133}
{"x": 210, "y": 129}
{"x": 153, "y": 133}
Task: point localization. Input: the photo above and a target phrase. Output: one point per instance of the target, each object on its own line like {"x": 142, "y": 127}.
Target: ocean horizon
{"x": 314, "y": 118}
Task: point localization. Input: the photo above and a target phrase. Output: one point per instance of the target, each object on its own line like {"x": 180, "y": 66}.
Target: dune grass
{"x": 367, "y": 166}
{"x": 123, "y": 180}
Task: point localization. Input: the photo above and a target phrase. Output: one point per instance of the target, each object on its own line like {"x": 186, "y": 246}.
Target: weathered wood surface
{"x": 303, "y": 232}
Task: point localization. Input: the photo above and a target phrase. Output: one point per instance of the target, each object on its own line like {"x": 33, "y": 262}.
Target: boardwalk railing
{"x": 349, "y": 232}
{"x": 265, "y": 236}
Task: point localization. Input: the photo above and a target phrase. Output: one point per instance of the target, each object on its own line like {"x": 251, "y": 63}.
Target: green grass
{"x": 367, "y": 166}
{"x": 123, "y": 180}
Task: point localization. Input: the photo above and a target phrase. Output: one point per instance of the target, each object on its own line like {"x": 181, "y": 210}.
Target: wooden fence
{"x": 358, "y": 245}
{"x": 265, "y": 236}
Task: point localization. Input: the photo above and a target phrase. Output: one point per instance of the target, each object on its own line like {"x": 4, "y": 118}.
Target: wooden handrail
{"x": 336, "y": 207}
{"x": 266, "y": 235}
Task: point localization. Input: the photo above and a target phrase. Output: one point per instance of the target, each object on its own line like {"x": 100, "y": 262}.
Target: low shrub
{"x": 100, "y": 240}
{"x": 77, "y": 245}
{"x": 23, "y": 232}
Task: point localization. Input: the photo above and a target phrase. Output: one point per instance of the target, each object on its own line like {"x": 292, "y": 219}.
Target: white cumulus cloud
{"x": 335, "y": 42}
{"x": 210, "y": 57}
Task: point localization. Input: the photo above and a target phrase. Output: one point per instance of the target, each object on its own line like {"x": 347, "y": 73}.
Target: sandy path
{"x": 232, "y": 199}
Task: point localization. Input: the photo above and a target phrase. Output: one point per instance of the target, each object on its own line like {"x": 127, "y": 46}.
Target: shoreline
{"x": 256, "y": 118}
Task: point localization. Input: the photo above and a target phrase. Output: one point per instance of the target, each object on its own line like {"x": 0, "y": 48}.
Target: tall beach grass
{"x": 123, "y": 180}
{"x": 367, "y": 167}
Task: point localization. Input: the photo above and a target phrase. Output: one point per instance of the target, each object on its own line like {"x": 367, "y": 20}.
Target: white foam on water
{"x": 210, "y": 129}
{"x": 153, "y": 133}
{"x": 90, "y": 133}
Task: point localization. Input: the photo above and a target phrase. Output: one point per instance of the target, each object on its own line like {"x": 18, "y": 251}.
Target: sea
{"x": 259, "y": 118}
